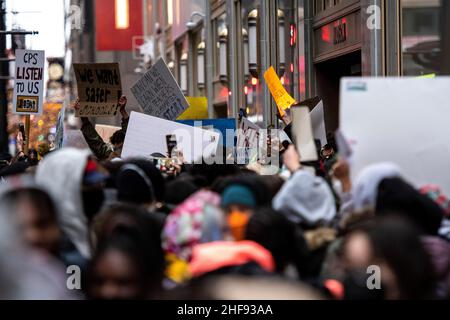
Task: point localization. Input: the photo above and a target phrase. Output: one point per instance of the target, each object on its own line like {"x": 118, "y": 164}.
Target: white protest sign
{"x": 29, "y": 82}
{"x": 247, "y": 141}
{"x": 146, "y": 135}
{"x": 318, "y": 123}
{"x": 159, "y": 94}
{"x": 401, "y": 120}
{"x": 302, "y": 134}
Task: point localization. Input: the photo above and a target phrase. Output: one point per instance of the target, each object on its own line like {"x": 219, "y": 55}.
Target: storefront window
{"x": 422, "y": 37}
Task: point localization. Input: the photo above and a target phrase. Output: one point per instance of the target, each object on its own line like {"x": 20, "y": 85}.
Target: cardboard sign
{"x": 198, "y": 109}
{"x": 400, "y": 120}
{"x": 146, "y": 135}
{"x": 105, "y": 132}
{"x": 99, "y": 89}
{"x": 29, "y": 82}
{"x": 282, "y": 98}
{"x": 247, "y": 142}
{"x": 159, "y": 94}
{"x": 303, "y": 135}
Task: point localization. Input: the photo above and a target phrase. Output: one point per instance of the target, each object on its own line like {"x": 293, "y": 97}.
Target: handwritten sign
{"x": 282, "y": 98}
{"x": 99, "y": 89}
{"x": 159, "y": 94}
{"x": 247, "y": 142}
{"x": 29, "y": 83}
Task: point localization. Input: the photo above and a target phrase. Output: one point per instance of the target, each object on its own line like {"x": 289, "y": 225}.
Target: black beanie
{"x": 134, "y": 186}
{"x": 397, "y": 196}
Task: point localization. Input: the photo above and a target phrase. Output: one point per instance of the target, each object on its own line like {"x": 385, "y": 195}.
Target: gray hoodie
{"x": 307, "y": 199}
{"x": 61, "y": 174}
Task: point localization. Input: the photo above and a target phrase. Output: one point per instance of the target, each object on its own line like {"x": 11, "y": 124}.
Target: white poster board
{"x": 247, "y": 141}
{"x": 318, "y": 123}
{"x": 159, "y": 94}
{"x": 303, "y": 134}
{"x": 147, "y": 135}
{"x": 401, "y": 120}
{"x": 29, "y": 82}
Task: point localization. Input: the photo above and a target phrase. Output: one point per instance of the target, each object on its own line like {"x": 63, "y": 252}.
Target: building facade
{"x": 221, "y": 48}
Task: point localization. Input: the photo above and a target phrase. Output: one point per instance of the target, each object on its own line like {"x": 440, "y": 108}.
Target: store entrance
{"x": 328, "y": 76}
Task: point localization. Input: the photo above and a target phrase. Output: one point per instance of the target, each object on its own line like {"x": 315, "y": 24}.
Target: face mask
{"x": 237, "y": 222}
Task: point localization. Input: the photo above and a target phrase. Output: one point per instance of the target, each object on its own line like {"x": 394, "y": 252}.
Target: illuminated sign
{"x": 340, "y": 31}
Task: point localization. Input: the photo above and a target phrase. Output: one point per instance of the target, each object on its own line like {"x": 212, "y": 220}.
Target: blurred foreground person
{"x": 126, "y": 265}
{"x": 28, "y": 273}
{"x": 235, "y": 287}
{"x": 35, "y": 215}
{"x": 393, "y": 245}
{"x": 75, "y": 182}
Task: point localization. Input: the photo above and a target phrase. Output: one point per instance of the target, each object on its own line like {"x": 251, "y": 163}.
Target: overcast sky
{"x": 45, "y": 16}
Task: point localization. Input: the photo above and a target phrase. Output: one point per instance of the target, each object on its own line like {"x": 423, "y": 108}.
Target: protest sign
{"x": 146, "y": 135}
{"x": 105, "y": 132}
{"x": 99, "y": 89}
{"x": 198, "y": 109}
{"x": 400, "y": 120}
{"x": 29, "y": 82}
{"x": 318, "y": 123}
{"x": 159, "y": 94}
{"x": 227, "y": 128}
{"x": 282, "y": 98}
{"x": 303, "y": 135}
{"x": 247, "y": 142}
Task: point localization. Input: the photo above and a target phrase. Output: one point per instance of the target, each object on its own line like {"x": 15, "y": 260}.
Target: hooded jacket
{"x": 61, "y": 175}
{"x": 306, "y": 199}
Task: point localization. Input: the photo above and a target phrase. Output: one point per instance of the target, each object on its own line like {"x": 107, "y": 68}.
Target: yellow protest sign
{"x": 282, "y": 98}
{"x": 198, "y": 109}
{"x": 428, "y": 76}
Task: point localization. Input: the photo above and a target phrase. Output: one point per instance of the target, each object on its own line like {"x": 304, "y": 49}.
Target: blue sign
{"x": 221, "y": 125}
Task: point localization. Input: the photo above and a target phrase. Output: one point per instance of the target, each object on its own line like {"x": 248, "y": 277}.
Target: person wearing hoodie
{"x": 304, "y": 199}
{"x": 74, "y": 181}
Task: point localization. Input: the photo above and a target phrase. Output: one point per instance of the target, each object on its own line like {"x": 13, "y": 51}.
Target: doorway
{"x": 328, "y": 76}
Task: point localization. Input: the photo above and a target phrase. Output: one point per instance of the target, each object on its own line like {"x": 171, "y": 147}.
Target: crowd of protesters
{"x": 133, "y": 229}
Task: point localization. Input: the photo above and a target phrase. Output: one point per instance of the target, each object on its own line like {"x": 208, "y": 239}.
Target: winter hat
{"x": 238, "y": 194}
{"x": 212, "y": 256}
{"x": 179, "y": 190}
{"x": 197, "y": 220}
{"x": 154, "y": 175}
{"x": 133, "y": 185}
{"x": 398, "y": 197}
{"x": 366, "y": 184}
{"x": 306, "y": 199}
